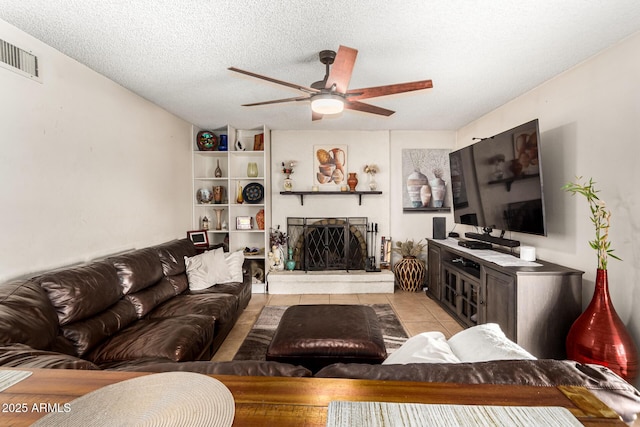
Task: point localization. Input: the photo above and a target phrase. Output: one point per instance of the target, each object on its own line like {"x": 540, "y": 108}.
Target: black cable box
{"x": 474, "y": 244}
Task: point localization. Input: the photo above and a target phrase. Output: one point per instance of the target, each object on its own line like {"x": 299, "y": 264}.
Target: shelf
{"x": 427, "y": 209}
{"x": 508, "y": 181}
{"x": 329, "y": 193}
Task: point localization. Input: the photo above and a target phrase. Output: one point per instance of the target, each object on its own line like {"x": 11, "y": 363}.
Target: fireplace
{"x": 321, "y": 244}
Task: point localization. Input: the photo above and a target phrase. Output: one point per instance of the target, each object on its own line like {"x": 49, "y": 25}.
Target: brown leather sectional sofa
{"x": 128, "y": 309}
{"x": 136, "y": 312}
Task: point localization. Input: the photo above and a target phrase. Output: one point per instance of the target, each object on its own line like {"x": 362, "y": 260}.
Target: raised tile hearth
{"x": 330, "y": 282}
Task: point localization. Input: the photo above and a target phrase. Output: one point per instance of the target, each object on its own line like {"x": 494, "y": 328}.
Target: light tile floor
{"x": 417, "y": 313}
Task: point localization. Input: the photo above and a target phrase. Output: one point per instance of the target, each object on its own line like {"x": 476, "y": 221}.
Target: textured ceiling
{"x": 479, "y": 53}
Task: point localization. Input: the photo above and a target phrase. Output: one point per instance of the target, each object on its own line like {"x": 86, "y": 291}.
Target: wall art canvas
{"x": 426, "y": 180}
{"x": 330, "y": 165}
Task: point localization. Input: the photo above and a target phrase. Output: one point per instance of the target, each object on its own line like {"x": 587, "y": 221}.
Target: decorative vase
{"x": 223, "y": 146}
{"x": 288, "y": 183}
{"x": 218, "y": 172}
{"x": 425, "y": 195}
{"x": 260, "y": 219}
{"x": 218, "y": 218}
{"x": 218, "y": 193}
{"x": 204, "y": 195}
{"x": 415, "y": 181}
{"x": 438, "y": 189}
{"x": 599, "y": 336}
{"x": 373, "y": 185}
{"x": 239, "y": 198}
{"x": 410, "y": 273}
{"x": 352, "y": 181}
{"x": 252, "y": 169}
{"x": 206, "y": 140}
{"x": 290, "y": 263}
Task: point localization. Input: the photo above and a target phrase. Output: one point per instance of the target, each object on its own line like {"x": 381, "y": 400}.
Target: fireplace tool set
{"x": 372, "y": 237}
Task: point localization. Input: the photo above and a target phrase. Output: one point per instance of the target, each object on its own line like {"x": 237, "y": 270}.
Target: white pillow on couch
{"x": 486, "y": 342}
{"x": 234, "y": 262}
{"x": 214, "y": 267}
{"x": 207, "y": 269}
{"x": 427, "y": 347}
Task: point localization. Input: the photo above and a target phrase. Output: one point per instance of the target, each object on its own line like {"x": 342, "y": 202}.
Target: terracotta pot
{"x": 410, "y": 273}
{"x": 352, "y": 181}
{"x": 599, "y": 336}
{"x": 260, "y": 219}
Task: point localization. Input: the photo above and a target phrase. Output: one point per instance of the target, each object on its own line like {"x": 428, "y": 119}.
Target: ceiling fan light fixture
{"x": 327, "y": 103}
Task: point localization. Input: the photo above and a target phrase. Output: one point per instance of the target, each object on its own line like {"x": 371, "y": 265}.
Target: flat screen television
{"x": 496, "y": 182}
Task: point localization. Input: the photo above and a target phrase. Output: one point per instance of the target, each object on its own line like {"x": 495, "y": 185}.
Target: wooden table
{"x": 269, "y": 401}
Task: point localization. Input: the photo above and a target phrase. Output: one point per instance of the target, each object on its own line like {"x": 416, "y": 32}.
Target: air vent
{"x": 15, "y": 59}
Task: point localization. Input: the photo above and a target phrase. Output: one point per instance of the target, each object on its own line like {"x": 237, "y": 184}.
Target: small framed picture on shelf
{"x": 244, "y": 223}
{"x": 199, "y": 238}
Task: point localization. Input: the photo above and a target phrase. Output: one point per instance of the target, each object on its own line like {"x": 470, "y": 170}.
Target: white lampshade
{"x": 326, "y": 103}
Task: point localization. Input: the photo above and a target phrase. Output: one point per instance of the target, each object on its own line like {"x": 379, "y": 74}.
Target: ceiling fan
{"x": 331, "y": 94}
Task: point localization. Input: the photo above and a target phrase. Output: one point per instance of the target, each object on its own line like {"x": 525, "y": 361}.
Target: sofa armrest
{"x": 240, "y": 367}
{"x": 618, "y": 394}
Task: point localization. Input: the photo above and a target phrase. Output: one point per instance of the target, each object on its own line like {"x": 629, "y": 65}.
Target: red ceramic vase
{"x": 599, "y": 336}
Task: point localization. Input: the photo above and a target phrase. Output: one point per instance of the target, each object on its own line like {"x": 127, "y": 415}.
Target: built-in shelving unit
{"x": 233, "y": 164}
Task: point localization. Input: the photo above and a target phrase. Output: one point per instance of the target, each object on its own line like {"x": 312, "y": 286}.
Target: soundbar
{"x": 492, "y": 239}
{"x": 474, "y": 244}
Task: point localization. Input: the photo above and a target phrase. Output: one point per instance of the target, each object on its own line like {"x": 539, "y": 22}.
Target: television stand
{"x": 534, "y": 306}
{"x": 492, "y": 239}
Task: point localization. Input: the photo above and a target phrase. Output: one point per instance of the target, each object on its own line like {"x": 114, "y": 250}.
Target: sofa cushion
{"x": 222, "y": 307}
{"x": 177, "y": 339}
{"x": 81, "y": 292}
{"x": 172, "y": 255}
{"x": 180, "y": 283}
{"x": 486, "y": 342}
{"x": 138, "y": 269}
{"x": 86, "y": 334}
{"x": 146, "y": 300}
{"x": 23, "y": 356}
{"x": 26, "y": 315}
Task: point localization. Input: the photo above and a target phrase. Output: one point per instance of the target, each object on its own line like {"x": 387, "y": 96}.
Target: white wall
{"x": 590, "y": 127}
{"x": 87, "y": 168}
{"x": 383, "y": 148}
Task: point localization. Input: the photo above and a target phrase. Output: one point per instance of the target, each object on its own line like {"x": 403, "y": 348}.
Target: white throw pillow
{"x": 427, "y": 347}
{"x": 234, "y": 262}
{"x": 207, "y": 269}
{"x": 486, "y": 342}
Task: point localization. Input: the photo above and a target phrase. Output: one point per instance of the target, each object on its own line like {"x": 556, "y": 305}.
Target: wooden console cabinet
{"x": 534, "y": 306}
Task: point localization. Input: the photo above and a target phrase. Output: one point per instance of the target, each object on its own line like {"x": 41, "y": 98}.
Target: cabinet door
{"x": 499, "y": 297}
{"x": 434, "y": 286}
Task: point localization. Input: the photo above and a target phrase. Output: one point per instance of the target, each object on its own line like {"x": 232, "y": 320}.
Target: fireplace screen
{"x": 328, "y": 243}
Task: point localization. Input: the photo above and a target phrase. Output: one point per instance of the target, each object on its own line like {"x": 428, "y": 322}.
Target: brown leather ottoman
{"x": 316, "y": 336}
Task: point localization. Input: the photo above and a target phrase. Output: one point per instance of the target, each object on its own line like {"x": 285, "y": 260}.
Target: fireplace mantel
{"x": 329, "y": 193}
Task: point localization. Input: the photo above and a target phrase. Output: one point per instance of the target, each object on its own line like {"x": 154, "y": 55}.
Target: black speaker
{"x": 439, "y": 227}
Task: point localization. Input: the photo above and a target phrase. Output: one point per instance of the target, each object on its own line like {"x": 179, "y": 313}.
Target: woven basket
{"x": 410, "y": 273}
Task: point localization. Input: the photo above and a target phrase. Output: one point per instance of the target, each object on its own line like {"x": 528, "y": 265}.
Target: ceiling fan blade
{"x": 277, "y": 101}
{"x": 272, "y": 80}
{"x": 367, "y": 108}
{"x": 341, "y": 70}
{"x": 373, "y": 92}
{"x": 316, "y": 116}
